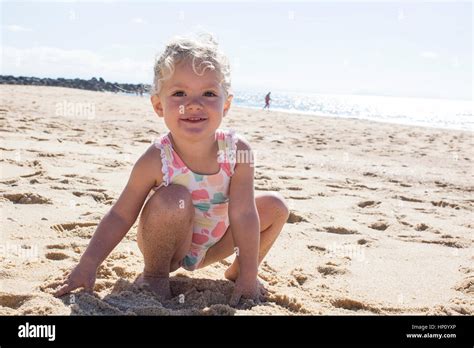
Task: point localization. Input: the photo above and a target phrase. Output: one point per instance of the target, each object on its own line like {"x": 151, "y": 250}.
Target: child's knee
{"x": 172, "y": 200}
{"x": 279, "y": 205}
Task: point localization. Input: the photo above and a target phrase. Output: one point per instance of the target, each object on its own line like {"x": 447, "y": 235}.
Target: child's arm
{"x": 117, "y": 222}
{"x": 245, "y": 225}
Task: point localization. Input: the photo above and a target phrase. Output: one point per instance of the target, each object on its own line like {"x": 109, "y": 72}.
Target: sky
{"x": 403, "y": 49}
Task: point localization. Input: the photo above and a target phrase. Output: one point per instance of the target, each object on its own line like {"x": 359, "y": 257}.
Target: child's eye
{"x": 210, "y": 94}
{"x": 178, "y": 94}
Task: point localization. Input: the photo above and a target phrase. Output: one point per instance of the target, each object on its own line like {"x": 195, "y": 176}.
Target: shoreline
{"x": 291, "y": 111}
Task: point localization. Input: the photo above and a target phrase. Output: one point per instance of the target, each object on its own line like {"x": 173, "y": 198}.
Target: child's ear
{"x": 227, "y": 104}
{"x": 157, "y": 106}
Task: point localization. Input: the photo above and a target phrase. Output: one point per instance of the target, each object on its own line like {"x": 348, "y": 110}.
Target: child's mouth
{"x": 194, "y": 119}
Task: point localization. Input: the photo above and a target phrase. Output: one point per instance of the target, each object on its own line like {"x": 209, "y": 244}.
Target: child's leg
{"x": 164, "y": 235}
{"x": 273, "y": 213}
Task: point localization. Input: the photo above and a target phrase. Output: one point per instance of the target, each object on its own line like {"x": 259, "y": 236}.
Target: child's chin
{"x": 199, "y": 129}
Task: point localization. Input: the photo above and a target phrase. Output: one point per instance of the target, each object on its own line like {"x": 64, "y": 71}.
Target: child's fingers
{"x": 66, "y": 288}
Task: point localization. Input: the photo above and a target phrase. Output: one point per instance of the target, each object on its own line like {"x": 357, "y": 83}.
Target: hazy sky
{"x": 421, "y": 49}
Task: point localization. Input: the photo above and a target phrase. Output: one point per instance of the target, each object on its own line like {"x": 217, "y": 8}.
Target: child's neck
{"x": 201, "y": 150}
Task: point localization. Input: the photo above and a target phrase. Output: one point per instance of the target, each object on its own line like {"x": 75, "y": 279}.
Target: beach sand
{"x": 381, "y": 214}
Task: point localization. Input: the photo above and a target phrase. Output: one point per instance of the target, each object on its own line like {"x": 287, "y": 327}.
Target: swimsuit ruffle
{"x": 233, "y": 149}
{"x": 164, "y": 163}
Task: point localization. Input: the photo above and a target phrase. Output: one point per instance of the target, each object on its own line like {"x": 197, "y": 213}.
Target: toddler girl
{"x": 202, "y": 208}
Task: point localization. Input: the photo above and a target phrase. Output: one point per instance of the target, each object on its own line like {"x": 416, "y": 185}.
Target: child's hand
{"x": 82, "y": 276}
{"x": 248, "y": 288}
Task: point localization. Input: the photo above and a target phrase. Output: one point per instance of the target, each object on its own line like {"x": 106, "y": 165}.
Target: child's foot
{"x": 160, "y": 286}
{"x": 231, "y": 273}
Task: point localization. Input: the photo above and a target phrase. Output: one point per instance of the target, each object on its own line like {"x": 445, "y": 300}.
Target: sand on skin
{"x": 381, "y": 217}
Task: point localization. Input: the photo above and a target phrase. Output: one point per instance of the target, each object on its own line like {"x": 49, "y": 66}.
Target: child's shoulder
{"x": 241, "y": 150}
{"x": 237, "y": 140}
{"x": 150, "y": 162}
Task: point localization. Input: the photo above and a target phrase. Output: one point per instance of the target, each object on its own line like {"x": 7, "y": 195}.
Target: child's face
{"x": 193, "y": 106}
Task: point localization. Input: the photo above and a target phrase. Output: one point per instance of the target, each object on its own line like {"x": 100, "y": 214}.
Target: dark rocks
{"x": 93, "y": 84}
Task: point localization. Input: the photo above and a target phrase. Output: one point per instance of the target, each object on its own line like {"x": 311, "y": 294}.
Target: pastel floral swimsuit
{"x": 210, "y": 193}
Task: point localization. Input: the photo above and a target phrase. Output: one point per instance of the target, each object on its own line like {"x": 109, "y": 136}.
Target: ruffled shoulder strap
{"x": 164, "y": 145}
{"x": 227, "y": 155}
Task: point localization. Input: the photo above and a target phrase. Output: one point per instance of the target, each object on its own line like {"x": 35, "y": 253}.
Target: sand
{"x": 381, "y": 214}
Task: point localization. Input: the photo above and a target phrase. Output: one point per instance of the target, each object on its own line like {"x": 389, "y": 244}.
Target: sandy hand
{"x": 253, "y": 290}
{"x": 80, "y": 277}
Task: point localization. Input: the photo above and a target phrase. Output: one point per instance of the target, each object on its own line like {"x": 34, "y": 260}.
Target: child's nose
{"x": 194, "y": 104}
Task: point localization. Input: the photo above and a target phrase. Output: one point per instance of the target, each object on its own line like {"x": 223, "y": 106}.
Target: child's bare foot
{"x": 231, "y": 273}
{"x": 160, "y": 286}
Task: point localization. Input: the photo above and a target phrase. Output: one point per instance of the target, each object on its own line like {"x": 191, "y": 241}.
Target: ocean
{"x": 437, "y": 113}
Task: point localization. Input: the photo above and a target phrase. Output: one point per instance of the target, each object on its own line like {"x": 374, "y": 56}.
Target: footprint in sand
{"x": 366, "y": 187}
{"x": 445, "y": 204}
{"x": 440, "y": 184}
{"x": 337, "y": 186}
{"x": 339, "y": 230}
{"x": 50, "y": 154}
{"x": 446, "y": 240}
{"x": 72, "y": 225}
{"x": 408, "y": 199}
{"x": 294, "y": 188}
{"x": 421, "y": 227}
{"x": 56, "y": 256}
{"x": 100, "y": 197}
{"x": 369, "y": 174}
{"x": 40, "y": 139}
{"x": 299, "y": 276}
{"x": 82, "y": 179}
{"x": 115, "y": 146}
{"x": 57, "y": 246}
{"x": 363, "y": 242}
{"x": 449, "y": 243}
{"x": 399, "y": 182}
{"x": 316, "y": 248}
{"x": 77, "y": 229}
{"x": 379, "y": 225}
{"x": 294, "y": 218}
{"x": 330, "y": 269}
{"x": 114, "y": 164}
{"x": 26, "y": 198}
{"x": 39, "y": 172}
{"x": 262, "y": 177}
{"x": 13, "y": 301}
{"x": 369, "y": 204}
{"x": 263, "y": 188}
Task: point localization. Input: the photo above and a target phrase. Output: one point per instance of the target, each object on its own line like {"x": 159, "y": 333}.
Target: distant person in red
{"x": 267, "y": 101}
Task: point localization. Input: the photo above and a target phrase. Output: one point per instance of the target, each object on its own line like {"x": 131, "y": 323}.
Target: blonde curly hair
{"x": 202, "y": 51}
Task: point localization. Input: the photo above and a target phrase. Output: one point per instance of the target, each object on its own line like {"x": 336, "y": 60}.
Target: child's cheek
{"x": 175, "y": 106}
{"x": 215, "y": 103}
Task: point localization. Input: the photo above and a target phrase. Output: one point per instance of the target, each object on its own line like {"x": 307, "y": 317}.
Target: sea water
{"x": 437, "y": 113}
